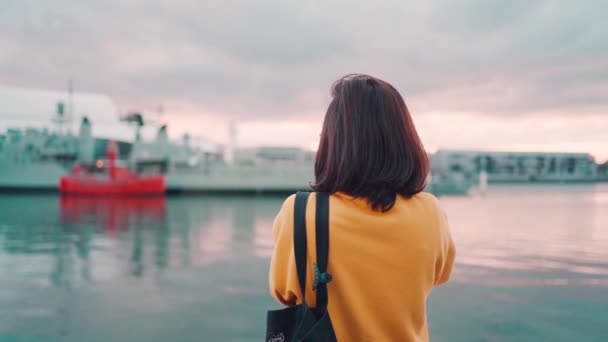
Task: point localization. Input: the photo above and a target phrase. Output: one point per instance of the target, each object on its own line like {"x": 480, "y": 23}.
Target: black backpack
{"x": 301, "y": 323}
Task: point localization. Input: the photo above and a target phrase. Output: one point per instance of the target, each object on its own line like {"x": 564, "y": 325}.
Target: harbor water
{"x": 532, "y": 265}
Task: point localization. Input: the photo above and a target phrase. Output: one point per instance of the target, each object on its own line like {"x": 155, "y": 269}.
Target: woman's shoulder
{"x": 281, "y": 224}
{"x": 423, "y": 203}
{"x": 289, "y": 202}
{"x": 426, "y": 199}
{"x": 287, "y": 208}
{"x": 432, "y": 206}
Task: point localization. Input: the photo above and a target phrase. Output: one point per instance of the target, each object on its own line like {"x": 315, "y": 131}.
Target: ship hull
{"x": 222, "y": 180}
{"x": 90, "y": 186}
{"x": 34, "y": 177}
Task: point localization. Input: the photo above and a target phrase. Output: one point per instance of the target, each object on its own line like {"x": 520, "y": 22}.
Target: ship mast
{"x": 64, "y": 115}
{"x": 70, "y": 104}
{"x": 232, "y": 136}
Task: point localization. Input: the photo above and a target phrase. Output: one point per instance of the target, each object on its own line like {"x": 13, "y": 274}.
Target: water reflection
{"x": 551, "y": 237}
{"x": 114, "y": 215}
{"x": 73, "y": 266}
{"x": 111, "y": 213}
{"x": 543, "y": 231}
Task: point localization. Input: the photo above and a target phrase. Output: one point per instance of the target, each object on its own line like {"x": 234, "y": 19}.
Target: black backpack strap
{"x": 322, "y": 237}
{"x": 299, "y": 239}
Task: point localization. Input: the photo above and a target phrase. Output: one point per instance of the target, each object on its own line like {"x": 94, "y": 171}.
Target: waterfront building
{"x": 517, "y": 166}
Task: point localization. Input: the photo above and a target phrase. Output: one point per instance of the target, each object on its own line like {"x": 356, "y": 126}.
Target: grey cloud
{"x": 267, "y": 32}
{"x": 474, "y": 17}
{"x": 271, "y": 57}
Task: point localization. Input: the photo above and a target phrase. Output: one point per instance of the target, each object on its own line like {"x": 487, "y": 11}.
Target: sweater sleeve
{"x": 447, "y": 253}
{"x": 283, "y": 278}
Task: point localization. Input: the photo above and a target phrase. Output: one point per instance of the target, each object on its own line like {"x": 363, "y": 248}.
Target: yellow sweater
{"x": 383, "y": 265}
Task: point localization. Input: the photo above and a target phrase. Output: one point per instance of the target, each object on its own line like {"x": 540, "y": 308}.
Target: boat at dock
{"x": 40, "y": 159}
{"x": 112, "y": 181}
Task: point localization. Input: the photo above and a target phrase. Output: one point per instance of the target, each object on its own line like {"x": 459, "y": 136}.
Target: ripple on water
{"x": 198, "y": 267}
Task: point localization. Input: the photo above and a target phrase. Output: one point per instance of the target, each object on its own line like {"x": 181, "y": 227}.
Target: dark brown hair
{"x": 369, "y": 146}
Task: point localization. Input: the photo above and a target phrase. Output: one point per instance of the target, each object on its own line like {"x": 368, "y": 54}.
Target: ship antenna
{"x": 70, "y": 104}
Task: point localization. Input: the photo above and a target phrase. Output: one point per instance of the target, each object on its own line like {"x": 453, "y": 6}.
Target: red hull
{"x": 131, "y": 186}
{"x": 115, "y": 181}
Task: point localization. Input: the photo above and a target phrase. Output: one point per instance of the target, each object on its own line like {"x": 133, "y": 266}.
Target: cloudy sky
{"x": 506, "y": 75}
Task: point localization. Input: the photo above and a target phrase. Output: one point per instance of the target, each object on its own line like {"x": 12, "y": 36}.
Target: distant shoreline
{"x": 15, "y": 190}
{"x": 547, "y": 182}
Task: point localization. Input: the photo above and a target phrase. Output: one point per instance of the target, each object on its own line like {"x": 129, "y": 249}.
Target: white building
{"x": 517, "y": 166}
